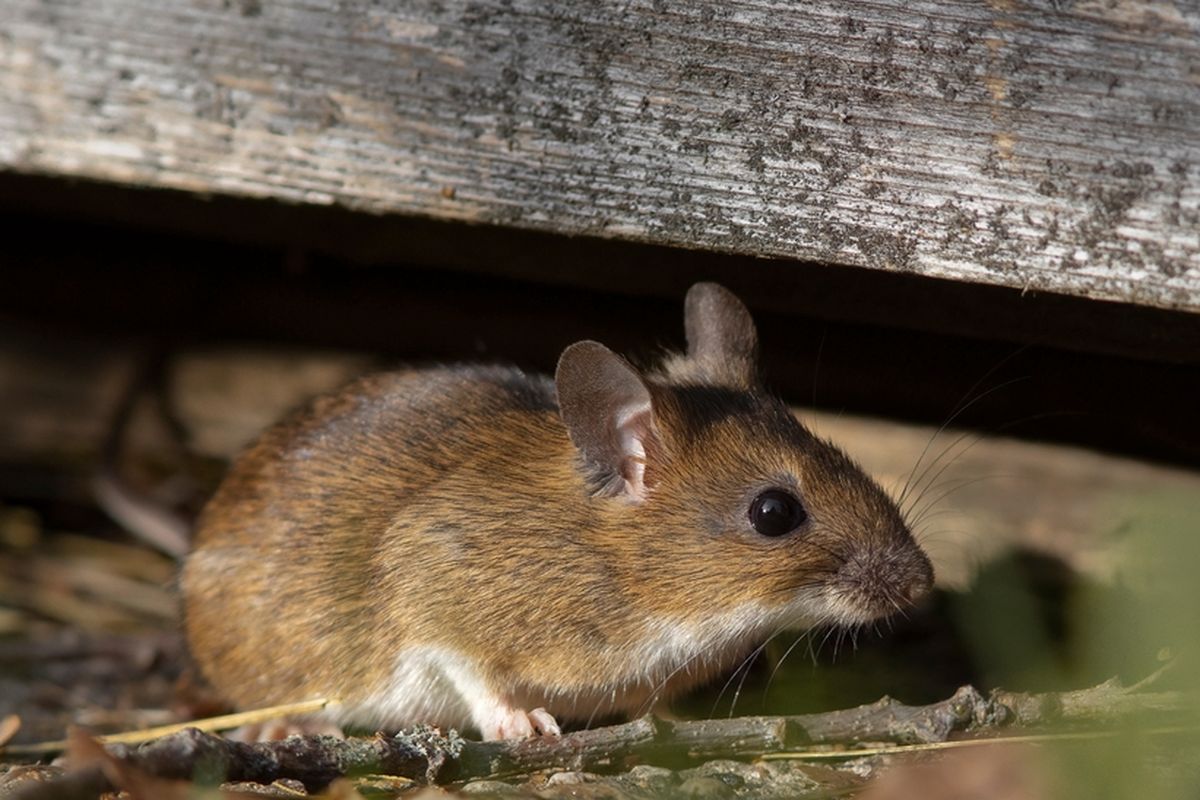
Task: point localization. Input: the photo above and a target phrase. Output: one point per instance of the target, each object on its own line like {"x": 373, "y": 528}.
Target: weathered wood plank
{"x": 1044, "y": 145}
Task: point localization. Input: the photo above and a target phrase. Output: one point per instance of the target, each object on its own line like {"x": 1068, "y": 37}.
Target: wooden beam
{"x": 1022, "y": 145}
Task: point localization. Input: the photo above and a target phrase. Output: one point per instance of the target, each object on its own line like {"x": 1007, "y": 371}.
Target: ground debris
{"x": 573, "y": 764}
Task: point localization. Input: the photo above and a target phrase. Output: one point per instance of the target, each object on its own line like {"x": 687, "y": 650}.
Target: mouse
{"x": 481, "y": 548}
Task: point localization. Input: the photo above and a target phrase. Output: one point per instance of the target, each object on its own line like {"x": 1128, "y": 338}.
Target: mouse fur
{"x": 481, "y": 548}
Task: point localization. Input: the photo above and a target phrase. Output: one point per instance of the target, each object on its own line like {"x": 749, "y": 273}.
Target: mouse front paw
{"x": 516, "y": 723}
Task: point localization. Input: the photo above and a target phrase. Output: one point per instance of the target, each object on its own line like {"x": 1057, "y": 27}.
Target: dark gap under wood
{"x": 466, "y": 292}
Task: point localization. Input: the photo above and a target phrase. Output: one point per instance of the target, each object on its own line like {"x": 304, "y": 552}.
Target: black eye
{"x": 776, "y": 512}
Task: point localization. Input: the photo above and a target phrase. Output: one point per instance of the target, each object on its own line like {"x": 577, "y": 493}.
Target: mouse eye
{"x": 776, "y": 512}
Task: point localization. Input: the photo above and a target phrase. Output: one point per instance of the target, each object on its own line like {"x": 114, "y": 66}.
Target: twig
{"x": 427, "y": 756}
{"x": 1107, "y": 702}
{"x": 314, "y": 760}
{"x": 1036, "y": 738}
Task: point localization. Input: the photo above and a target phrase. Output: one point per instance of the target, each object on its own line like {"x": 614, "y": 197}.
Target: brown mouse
{"x": 477, "y": 547}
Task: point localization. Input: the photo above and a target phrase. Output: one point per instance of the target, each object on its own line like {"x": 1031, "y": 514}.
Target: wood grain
{"x": 1046, "y": 145}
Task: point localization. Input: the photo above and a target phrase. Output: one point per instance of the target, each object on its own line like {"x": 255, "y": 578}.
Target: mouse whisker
{"x": 957, "y": 537}
{"x": 919, "y": 483}
{"x": 742, "y": 666}
{"x": 654, "y": 693}
{"x": 806, "y": 636}
{"x": 745, "y": 674}
{"x": 957, "y": 485}
{"x": 993, "y": 431}
{"x": 828, "y": 633}
{"x": 592, "y": 717}
{"x": 962, "y": 407}
{"x": 909, "y": 510}
{"x": 974, "y": 438}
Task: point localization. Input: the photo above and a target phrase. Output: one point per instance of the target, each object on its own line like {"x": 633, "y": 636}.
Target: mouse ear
{"x": 605, "y": 405}
{"x": 721, "y": 336}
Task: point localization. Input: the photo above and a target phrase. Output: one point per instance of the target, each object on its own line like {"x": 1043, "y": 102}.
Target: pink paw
{"x": 514, "y": 723}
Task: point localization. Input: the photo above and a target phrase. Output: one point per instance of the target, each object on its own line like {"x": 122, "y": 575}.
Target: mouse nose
{"x": 920, "y": 581}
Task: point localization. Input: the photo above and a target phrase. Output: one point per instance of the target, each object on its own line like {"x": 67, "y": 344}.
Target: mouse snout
{"x": 884, "y": 581}
{"x": 920, "y": 580}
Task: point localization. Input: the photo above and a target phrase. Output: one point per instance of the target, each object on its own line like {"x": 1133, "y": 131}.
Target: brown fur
{"x": 448, "y": 506}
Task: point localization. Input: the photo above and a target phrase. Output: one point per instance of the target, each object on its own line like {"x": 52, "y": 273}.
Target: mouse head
{"x": 722, "y": 493}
